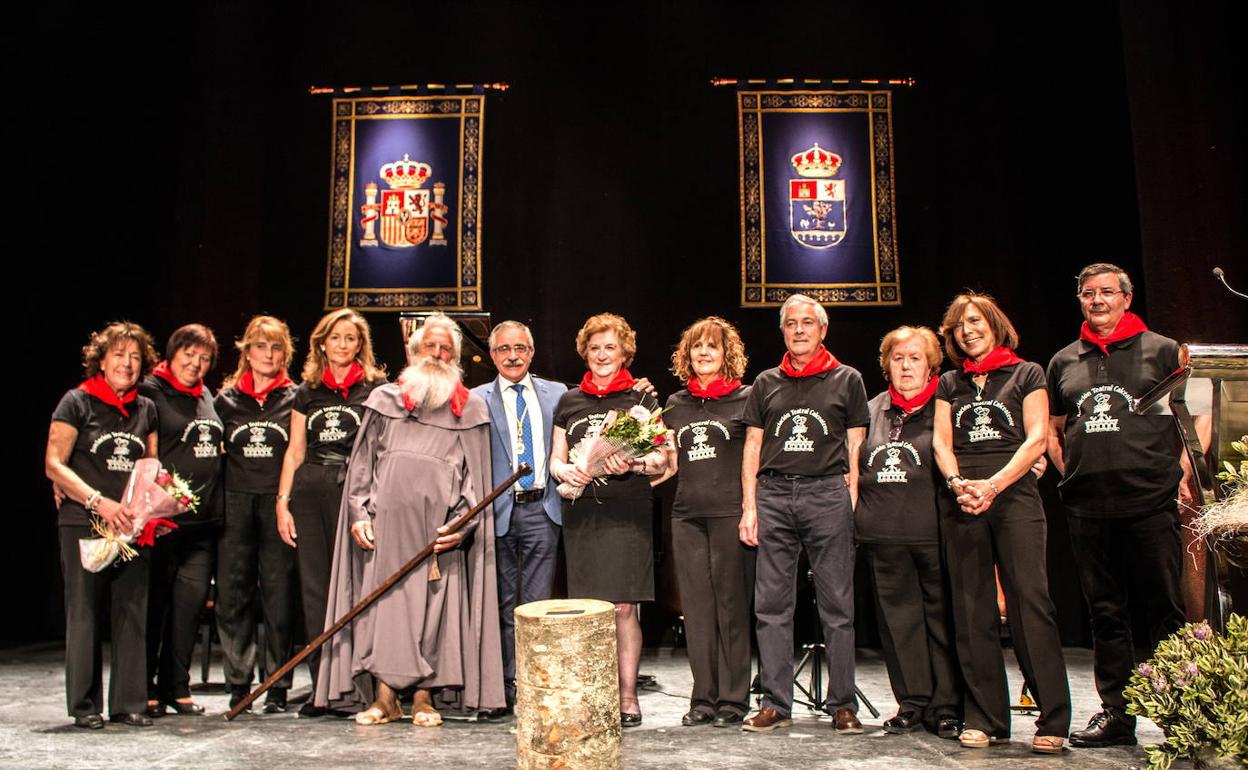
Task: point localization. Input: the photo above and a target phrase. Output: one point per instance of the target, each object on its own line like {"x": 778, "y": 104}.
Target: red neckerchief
{"x": 719, "y": 387}
{"x": 997, "y": 358}
{"x": 909, "y": 405}
{"x": 623, "y": 381}
{"x": 459, "y": 399}
{"x": 354, "y": 375}
{"x": 163, "y": 372}
{"x": 97, "y": 387}
{"x": 247, "y": 384}
{"x": 148, "y": 536}
{"x": 1128, "y": 326}
{"x": 822, "y": 362}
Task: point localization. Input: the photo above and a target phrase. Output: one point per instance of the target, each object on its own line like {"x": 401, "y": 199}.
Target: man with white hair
{"x": 421, "y": 458}
{"x": 527, "y": 520}
{"x": 806, "y": 420}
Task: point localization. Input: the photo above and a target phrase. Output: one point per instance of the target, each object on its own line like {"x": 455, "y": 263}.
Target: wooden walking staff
{"x": 424, "y": 553}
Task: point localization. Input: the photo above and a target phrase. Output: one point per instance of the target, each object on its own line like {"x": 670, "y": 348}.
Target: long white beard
{"x": 429, "y": 382}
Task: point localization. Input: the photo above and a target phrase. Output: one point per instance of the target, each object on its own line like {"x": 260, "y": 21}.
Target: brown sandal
{"x": 425, "y": 715}
{"x": 1047, "y": 744}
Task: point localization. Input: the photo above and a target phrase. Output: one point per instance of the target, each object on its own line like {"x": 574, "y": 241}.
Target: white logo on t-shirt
{"x": 981, "y": 429}
{"x": 700, "y": 448}
{"x": 1100, "y": 421}
{"x": 892, "y": 473}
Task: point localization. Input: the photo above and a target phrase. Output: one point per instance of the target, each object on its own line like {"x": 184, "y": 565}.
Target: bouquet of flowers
{"x": 627, "y": 435}
{"x": 1193, "y": 689}
{"x": 153, "y": 496}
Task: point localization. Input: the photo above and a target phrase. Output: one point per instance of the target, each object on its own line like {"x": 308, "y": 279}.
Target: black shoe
{"x": 310, "y": 711}
{"x": 155, "y": 710}
{"x": 491, "y": 715}
{"x": 948, "y": 727}
{"x": 630, "y": 720}
{"x": 905, "y": 722}
{"x": 697, "y": 718}
{"x": 89, "y": 722}
{"x": 728, "y": 719}
{"x": 132, "y": 720}
{"x": 239, "y": 693}
{"x": 275, "y": 702}
{"x": 184, "y": 709}
{"x": 1107, "y": 728}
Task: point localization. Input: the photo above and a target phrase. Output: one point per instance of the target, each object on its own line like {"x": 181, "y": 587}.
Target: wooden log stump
{"x": 567, "y": 686}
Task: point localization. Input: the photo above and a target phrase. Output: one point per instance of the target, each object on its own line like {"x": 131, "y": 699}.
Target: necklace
{"x": 979, "y": 389}
{"x": 522, "y": 408}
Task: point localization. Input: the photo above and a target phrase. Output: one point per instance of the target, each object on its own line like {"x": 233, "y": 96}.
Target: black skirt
{"x": 609, "y": 547}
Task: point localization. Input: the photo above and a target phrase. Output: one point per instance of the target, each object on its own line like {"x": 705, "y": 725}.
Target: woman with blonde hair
{"x": 338, "y": 375}
{"x": 990, "y": 426}
{"x": 714, "y": 569}
{"x": 607, "y": 532}
{"x": 897, "y": 522}
{"x": 252, "y": 561}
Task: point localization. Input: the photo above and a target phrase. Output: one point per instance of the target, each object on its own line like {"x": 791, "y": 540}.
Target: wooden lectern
{"x": 1213, "y": 576}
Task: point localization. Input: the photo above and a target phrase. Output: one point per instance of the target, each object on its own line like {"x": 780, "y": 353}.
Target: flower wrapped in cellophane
{"x": 624, "y": 434}
{"x": 153, "y": 496}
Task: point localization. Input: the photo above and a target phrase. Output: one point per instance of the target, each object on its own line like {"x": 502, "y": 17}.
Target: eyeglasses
{"x": 1087, "y": 295}
{"x": 899, "y": 422}
{"x": 520, "y": 350}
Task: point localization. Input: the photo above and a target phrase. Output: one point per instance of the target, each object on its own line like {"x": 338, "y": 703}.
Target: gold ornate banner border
{"x": 755, "y": 290}
{"x": 466, "y": 294}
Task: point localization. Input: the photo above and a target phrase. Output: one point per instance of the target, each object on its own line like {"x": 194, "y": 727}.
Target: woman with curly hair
{"x": 99, "y": 429}
{"x": 714, "y": 569}
{"x": 608, "y": 532}
{"x": 339, "y": 374}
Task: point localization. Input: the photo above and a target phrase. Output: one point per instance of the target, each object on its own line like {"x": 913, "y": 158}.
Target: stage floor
{"x": 34, "y": 732}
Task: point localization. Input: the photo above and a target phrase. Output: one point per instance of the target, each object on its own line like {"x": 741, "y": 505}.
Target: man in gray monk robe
{"x": 421, "y": 458}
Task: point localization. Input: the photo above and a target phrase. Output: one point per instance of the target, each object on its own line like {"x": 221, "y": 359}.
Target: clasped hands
{"x": 362, "y": 534}
{"x": 974, "y": 496}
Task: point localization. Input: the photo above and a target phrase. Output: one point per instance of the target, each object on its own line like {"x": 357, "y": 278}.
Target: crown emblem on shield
{"x": 816, "y": 162}
{"x": 406, "y": 174}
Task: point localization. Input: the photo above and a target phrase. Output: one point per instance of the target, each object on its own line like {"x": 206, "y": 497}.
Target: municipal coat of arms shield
{"x": 816, "y": 200}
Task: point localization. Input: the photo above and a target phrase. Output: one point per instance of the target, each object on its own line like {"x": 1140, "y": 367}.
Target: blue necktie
{"x": 525, "y": 429}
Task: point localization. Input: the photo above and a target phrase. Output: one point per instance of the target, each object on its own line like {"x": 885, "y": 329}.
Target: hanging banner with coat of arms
{"x": 405, "y": 197}
{"x": 817, "y": 206}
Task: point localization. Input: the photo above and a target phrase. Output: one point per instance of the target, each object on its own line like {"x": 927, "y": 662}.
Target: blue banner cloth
{"x": 818, "y": 214}
{"x": 405, "y": 225}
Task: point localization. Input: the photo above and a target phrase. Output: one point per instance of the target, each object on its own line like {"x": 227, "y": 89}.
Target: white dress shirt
{"x": 538, "y": 437}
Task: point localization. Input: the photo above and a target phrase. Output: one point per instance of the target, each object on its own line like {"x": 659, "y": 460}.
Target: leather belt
{"x": 528, "y": 495}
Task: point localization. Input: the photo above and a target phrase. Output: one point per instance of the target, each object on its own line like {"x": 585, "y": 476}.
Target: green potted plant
{"x": 1195, "y": 688}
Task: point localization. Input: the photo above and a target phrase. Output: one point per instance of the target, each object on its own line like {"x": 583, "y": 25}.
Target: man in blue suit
{"x": 528, "y": 518}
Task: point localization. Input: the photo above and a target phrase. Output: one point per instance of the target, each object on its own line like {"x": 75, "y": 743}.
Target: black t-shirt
{"x": 256, "y": 437}
{"x": 189, "y": 434}
{"x": 107, "y": 446}
{"x": 579, "y": 414}
{"x": 1118, "y": 463}
{"x": 332, "y": 421}
{"x": 898, "y": 486}
{"x": 988, "y": 427}
{"x": 804, "y": 419}
{"x": 709, "y": 440}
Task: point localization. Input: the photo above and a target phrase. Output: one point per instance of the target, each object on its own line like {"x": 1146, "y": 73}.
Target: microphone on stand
{"x": 1221, "y": 276}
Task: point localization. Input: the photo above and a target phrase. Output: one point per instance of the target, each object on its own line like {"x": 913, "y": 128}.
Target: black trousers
{"x": 181, "y": 575}
{"x": 715, "y": 573}
{"x": 315, "y": 496}
{"x": 915, "y": 624}
{"x": 120, "y": 590}
{"x": 1012, "y": 536}
{"x": 1118, "y": 559}
{"x": 525, "y": 559}
{"x": 254, "y": 567}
